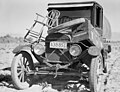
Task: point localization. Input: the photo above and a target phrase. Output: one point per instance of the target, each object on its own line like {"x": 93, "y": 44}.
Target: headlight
{"x": 94, "y": 51}
{"x": 39, "y": 49}
{"x": 75, "y": 50}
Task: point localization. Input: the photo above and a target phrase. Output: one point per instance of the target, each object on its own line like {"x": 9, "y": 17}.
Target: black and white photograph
{"x": 59, "y": 46}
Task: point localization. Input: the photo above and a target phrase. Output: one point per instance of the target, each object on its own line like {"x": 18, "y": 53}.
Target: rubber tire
{"x": 93, "y": 73}
{"x": 17, "y": 83}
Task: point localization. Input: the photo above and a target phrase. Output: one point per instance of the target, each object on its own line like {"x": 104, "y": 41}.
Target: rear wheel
{"x": 96, "y": 74}
{"x": 21, "y": 64}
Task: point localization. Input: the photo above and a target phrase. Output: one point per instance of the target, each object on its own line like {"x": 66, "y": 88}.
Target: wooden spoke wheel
{"x": 21, "y": 64}
{"x": 96, "y": 74}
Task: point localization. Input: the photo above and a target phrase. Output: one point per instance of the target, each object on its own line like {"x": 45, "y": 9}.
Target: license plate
{"x": 58, "y": 45}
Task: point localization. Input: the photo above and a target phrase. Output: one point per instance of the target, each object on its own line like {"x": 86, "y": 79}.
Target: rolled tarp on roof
{"x": 106, "y": 28}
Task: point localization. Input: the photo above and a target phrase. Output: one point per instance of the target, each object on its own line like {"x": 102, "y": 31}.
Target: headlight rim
{"x": 80, "y": 49}
{"x": 42, "y": 50}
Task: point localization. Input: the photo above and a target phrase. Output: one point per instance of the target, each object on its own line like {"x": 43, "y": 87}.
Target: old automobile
{"x": 73, "y": 46}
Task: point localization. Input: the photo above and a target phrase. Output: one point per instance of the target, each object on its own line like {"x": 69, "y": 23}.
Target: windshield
{"x": 67, "y": 14}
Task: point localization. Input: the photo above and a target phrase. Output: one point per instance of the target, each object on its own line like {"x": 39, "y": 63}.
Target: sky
{"x": 17, "y": 15}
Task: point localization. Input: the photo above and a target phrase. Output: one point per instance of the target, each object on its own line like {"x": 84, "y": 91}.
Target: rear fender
{"x": 27, "y": 49}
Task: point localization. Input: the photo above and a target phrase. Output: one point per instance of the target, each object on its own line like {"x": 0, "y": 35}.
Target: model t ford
{"x": 73, "y": 46}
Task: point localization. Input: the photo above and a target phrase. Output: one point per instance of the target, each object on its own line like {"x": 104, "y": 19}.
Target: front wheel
{"x": 96, "y": 74}
{"x": 21, "y": 64}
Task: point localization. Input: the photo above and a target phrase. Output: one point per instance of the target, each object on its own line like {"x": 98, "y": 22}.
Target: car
{"x": 73, "y": 46}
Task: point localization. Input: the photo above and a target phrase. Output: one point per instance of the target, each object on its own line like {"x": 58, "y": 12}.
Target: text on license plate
{"x": 59, "y": 45}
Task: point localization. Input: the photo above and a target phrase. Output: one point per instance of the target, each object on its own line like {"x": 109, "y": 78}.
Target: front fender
{"x": 25, "y": 48}
{"x": 21, "y": 47}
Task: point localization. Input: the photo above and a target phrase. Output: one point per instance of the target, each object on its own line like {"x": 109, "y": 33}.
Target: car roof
{"x": 72, "y": 4}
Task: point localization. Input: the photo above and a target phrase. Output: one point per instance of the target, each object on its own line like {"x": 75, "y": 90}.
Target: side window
{"x": 98, "y": 17}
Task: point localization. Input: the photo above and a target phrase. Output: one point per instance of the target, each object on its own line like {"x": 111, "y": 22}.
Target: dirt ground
{"x": 6, "y": 85}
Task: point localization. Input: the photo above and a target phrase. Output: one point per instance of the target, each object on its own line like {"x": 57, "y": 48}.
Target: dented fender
{"x": 21, "y": 47}
{"x": 25, "y": 48}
